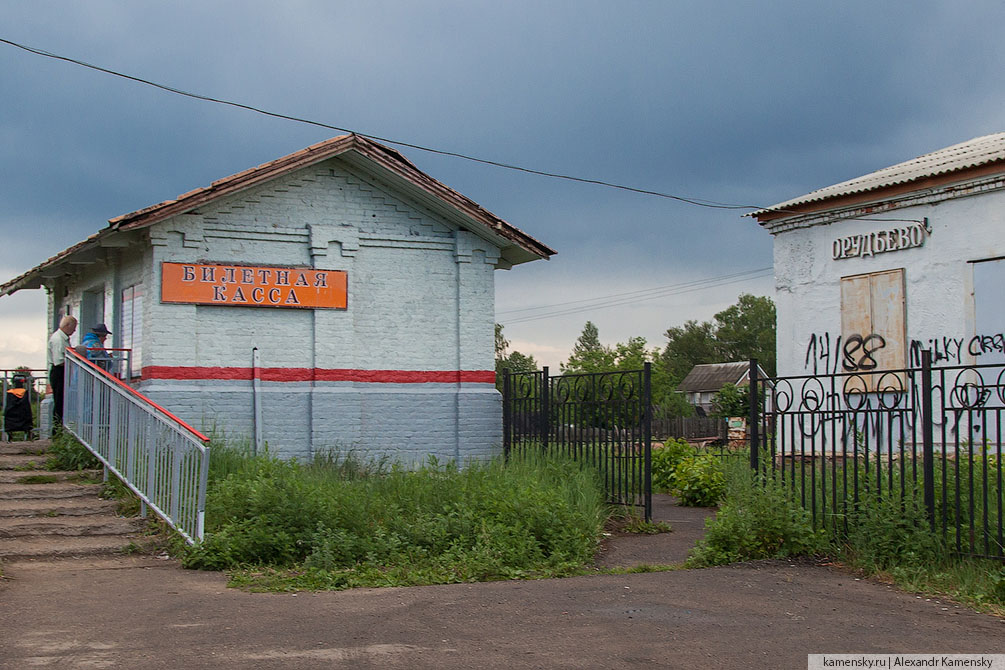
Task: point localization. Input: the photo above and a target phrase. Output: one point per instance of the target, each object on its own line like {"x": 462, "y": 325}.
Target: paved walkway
{"x": 147, "y": 613}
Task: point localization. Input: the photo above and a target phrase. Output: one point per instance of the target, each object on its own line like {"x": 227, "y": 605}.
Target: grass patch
{"x": 40, "y": 479}
{"x": 115, "y": 489}
{"x": 338, "y": 522}
{"x": 66, "y": 453}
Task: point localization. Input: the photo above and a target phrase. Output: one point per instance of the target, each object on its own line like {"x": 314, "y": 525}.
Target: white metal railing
{"x": 158, "y": 456}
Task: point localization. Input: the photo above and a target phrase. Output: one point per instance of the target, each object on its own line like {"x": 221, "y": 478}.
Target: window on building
{"x": 132, "y": 326}
{"x": 873, "y": 332}
{"x": 988, "y": 344}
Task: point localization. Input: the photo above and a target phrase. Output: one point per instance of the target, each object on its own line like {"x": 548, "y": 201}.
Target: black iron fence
{"x": 602, "y": 418}
{"x": 933, "y": 434}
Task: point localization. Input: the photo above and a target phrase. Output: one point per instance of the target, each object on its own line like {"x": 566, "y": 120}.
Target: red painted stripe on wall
{"x": 322, "y": 375}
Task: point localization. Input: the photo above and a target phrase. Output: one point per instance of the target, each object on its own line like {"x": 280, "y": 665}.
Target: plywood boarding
{"x": 873, "y": 327}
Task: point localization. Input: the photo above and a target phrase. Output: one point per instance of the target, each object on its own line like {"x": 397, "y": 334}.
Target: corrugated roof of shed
{"x": 713, "y": 376}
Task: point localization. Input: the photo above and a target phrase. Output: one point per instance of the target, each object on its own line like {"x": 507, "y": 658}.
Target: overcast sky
{"x": 734, "y": 102}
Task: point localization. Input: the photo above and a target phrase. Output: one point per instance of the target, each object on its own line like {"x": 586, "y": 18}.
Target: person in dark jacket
{"x": 94, "y": 341}
{"x": 17, "y": 415}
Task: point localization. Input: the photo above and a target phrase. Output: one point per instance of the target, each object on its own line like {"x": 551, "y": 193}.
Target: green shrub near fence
{"x": 694, "y": 476}
{"x": 883, "y": 531}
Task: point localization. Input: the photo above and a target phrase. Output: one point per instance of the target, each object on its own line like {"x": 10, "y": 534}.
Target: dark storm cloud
{"x": 747, "y": 103}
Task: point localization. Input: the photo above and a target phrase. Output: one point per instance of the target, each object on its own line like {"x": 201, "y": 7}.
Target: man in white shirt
{"x": 58, "y": 343}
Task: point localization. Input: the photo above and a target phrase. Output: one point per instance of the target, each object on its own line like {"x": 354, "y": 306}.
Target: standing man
{"x": 58, "y": 343}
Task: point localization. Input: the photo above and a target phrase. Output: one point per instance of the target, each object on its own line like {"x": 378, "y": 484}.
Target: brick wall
{"x": 420, "y": 298}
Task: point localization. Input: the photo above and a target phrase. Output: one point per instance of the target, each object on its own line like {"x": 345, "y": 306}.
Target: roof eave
{"x": 804, "y": 205}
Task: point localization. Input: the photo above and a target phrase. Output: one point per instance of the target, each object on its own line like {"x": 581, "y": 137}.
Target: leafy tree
{"x": 687, "y": 346}
{"x": 741, "y": 331}
{"x": 588, "y": 354}
{"x": 732, "y": 400}
{"x": 747, "y": 330}
{"x": 631, "y": 355}
{"x": 514, "y": 361}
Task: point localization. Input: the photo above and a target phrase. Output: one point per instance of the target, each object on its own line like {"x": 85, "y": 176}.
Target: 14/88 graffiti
{"x": 855, "y": 353}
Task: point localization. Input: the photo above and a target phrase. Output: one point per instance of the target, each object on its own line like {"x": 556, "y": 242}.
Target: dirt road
{"x": 148, "y": 613}
{"x": 145, "y": 613}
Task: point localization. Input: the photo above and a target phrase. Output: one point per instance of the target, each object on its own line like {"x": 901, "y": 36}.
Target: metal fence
{"x": 931, "y": 435}
{"x": 163, "y": 460}
{"x": 601, "y": 418}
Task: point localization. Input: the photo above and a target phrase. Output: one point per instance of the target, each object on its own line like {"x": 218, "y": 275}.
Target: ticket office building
{"x": 344, "y": 292}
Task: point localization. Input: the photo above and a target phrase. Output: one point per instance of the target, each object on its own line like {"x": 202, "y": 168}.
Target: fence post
{"x": 647, "y": 434}
{"x": 928, "y": 446}
{"x": 754, "y": 418}
{"x": 506, "y": 412}
{"x": 545, "y": 408}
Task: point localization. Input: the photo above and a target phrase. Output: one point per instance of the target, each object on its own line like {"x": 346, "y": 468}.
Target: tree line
{"x": 742, "y": 331}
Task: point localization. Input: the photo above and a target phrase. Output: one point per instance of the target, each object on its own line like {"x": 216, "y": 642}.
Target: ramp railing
{"x": 162, "y": 459}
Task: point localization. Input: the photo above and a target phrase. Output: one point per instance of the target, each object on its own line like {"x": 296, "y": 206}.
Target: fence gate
{"x": 603, "y": 418}
{"x": 923, "y": 435}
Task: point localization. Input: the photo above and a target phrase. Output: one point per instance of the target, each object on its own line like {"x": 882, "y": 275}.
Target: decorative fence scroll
{"x": 845, "y": 440}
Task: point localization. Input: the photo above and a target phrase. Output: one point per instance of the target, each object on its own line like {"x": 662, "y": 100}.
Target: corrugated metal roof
{"x": 713, "y": 376}
{"x": 970, "y": 154}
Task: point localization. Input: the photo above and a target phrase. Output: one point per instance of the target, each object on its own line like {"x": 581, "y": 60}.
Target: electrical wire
{"x": 699, "y": 285}
{"x": 698, "y": 202}
{"x": 170, "y": 89}
{"x": 636, "y": 293}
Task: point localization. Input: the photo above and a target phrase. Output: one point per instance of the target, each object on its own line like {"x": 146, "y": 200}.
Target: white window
{"x": 988, "y": 344}
{"x": 132, "y": 326}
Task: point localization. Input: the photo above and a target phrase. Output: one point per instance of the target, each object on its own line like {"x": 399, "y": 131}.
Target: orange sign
{"x": 253, "y": 286}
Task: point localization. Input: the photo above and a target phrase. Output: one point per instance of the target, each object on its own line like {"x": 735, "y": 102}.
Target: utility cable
{"x": 699, "y": 202}
{"x": 170, "y": 89}
{"x": 576, "y": 310}
{"x": 636, "y": 293}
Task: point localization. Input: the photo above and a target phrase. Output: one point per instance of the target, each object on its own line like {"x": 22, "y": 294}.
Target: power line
{"x": 636, "y": 293}
{"x": 698, "y": 202}
{"x": 555, "y": 175}
{"x": 700, "y": 285}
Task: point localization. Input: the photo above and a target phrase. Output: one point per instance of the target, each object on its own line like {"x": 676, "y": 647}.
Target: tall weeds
{"x": 367, "y": 523}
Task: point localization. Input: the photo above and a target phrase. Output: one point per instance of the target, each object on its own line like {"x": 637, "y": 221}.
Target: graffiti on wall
{"x": 866, "y": 401}
{"x": 828, "y": 353}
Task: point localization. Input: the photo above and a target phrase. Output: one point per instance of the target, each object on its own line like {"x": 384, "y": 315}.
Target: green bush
{"x": 757, "y": 519}
{"x": 883, "y": 532}
{"x": 665, "y": 460}
{"x": 699, "y": 481}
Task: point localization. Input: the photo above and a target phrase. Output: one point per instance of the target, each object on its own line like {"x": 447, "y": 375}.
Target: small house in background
{"x": 334, "y": 298}
{"x": 707, "y": 379}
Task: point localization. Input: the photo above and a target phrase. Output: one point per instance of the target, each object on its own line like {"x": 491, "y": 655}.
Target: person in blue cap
{"x": 95, "y": 343}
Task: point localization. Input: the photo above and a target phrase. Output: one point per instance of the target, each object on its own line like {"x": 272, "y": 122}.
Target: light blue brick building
{"x": 402, "y": 366}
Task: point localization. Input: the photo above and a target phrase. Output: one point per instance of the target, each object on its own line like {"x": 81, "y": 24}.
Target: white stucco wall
{"x": 938, "y": 279}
